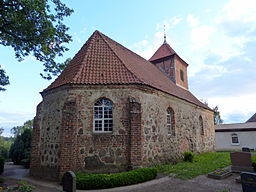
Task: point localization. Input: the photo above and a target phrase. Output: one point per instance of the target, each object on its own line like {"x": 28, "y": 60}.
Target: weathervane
{"x": 164, "y": 35}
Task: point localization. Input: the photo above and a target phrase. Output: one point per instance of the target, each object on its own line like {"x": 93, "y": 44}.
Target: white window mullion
{"x": 103, "y": 112}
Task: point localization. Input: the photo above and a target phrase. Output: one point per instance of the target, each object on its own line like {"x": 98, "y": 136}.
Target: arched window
{"x": 170, "y": 122}
{"x": 234, "y": 139}
{"x": 103, "y": 115}
{"x": 201, "y": 125}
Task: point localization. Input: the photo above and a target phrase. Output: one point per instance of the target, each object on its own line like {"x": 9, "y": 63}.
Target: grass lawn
{"x": 202, "y": 164}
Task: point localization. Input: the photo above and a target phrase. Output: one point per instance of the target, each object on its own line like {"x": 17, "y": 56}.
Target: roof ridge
{"x": 103, "y": 37}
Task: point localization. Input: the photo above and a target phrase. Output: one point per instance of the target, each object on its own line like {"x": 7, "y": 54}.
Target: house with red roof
{"x": 235, "y": 136}
{"x": 111, "y": 110}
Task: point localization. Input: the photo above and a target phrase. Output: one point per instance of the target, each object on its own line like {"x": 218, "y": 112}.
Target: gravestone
{"x": 246, "y": 149}
{"x": 241, "y": 161}
{"x": 248, "y": 181}
{"x": 69, "y": 182}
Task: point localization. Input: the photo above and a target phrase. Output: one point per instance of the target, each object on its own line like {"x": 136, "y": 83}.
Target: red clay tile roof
{"x": 102, "y": 61}
{"x": 252, "y": 119}
{"x": 164, "y": 51}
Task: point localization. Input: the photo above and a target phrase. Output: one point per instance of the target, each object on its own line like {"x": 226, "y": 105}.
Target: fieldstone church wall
{"x": 63, "y": 137}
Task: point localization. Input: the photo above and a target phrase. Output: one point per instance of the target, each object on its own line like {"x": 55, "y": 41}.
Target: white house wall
{"x": 246, "y": 139}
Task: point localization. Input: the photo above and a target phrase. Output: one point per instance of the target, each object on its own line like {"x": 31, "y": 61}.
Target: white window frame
{"x": 106, "y": 103}
{"x": 235, "y": 135}
{"x": 169, "y": 122}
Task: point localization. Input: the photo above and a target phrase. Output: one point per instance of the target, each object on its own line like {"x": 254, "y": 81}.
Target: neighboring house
{"x": 112, "y": 110}
{"x": 237, "y": 135}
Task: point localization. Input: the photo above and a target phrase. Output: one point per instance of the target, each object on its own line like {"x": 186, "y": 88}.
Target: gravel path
{"x": 165, "y": 184}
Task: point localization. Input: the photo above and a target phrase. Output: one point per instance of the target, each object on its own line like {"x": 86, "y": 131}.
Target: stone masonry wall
{"x": 159, "y": 147}
{"x": 68, "y": 140}
{"x": 46, "y": 137}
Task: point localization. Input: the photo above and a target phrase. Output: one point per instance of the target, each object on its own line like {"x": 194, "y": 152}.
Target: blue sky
{"x": 217, "y": 39}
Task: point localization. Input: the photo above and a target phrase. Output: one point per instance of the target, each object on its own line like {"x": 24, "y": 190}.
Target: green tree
{"x": 35, "y": 27}
{"x": 4, "y": 79}
{"x": 20, "y": 149}
{"x": 217, "y": 117}
{"x": 5, "y": 143}
{"x": 17, "y": 130}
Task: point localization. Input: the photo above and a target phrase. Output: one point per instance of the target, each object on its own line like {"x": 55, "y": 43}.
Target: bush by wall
{"x": 254, "y": 166}
{"x": 189, "y": 156}
{"x": 103, "y": 181}
{"x": 1, "y": 165}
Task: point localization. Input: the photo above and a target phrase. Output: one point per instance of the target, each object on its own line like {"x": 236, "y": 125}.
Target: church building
{"x": 111, "y": 110}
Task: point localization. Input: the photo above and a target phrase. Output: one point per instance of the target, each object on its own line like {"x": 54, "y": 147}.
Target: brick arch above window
{"x": 170, "y": 121}
{"x": 103, "y": 116}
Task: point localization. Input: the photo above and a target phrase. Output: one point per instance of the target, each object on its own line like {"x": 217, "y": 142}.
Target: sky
{"x": 216, "y": 38}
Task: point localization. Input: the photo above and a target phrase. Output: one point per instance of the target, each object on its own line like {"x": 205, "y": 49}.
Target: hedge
{"x": 1, "y": 165}
{"x": 103, "y": 181}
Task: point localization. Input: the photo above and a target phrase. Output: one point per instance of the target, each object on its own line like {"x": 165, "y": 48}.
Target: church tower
{"x": 170, "y": 63}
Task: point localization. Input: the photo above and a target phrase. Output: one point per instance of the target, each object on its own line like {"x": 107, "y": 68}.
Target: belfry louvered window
{"x": 103, "y": 116}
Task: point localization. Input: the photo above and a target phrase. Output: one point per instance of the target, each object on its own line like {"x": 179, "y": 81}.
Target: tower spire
{"x": 164, "y": 35}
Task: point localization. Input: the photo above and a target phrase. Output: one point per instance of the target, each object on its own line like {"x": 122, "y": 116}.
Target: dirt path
{"x": 167, "y": 184}
{"x": 14, "y": 173}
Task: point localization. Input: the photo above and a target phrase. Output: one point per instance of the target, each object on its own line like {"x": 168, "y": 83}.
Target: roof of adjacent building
{"x": 102, "y": 61}
{"x": 250, "y": 126}
{"x": 252, "y": 119}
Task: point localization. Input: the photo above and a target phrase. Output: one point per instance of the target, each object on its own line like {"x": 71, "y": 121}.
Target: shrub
{"x": 254, "y": 166}
{"x": 103, "y": 181}
{"x": 22, "y": 186}
{"x": 1, "y": 165}
{"x": 2, "y": 180}
{"x": 189, "y": 156}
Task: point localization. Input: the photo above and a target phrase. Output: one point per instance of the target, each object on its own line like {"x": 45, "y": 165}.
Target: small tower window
{"x": 182, "y": 75}
{"x": 170, "y": 122}
{"x": 103, "y": 115}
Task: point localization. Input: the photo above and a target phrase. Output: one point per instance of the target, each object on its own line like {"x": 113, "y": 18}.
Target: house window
{"x": 103, "y": 116}
{"x": 201, "y": 125}
{"x": 234, "y": 139}
{"x": 170, "y": 122}
{"x": 182, "y": 75}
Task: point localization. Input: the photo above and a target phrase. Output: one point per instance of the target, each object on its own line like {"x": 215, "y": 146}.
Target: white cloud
{"x": 192, "y": 21}
{"x": 140, "y": 44}
{"x": 200, "y": 36}
{"x": 146, "y": 48}
{"x": 239, "y": 10}
{"x": 168, "y": 23}
{"x": 175, "y": 21}
{"x": 234, "y": 105}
